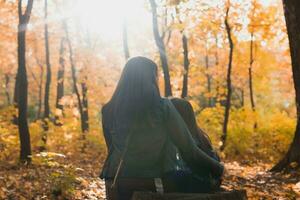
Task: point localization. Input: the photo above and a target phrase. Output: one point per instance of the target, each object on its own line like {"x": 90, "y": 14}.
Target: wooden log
{"x": 226, "y": 195}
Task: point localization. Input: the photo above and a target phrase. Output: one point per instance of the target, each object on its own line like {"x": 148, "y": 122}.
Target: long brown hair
{"x": 137, "y": 91}
{"x": 186, "y": 111}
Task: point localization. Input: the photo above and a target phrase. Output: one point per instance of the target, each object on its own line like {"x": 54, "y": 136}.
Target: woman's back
{"x": 153, "y": 145}
{"x": 145, "y": 148}
{"x": 144, "y": 132}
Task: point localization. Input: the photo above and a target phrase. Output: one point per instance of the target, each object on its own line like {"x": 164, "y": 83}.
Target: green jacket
{"x": 153, "y": 147}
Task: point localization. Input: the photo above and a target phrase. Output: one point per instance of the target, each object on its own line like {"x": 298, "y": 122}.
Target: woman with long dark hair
{"x": 202, "y": 140}
{"x": 145, "y": 134}
{"x": 184, "y": 177}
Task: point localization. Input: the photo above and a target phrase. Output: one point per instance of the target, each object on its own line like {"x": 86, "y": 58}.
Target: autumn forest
{"x": 237, "y": 62}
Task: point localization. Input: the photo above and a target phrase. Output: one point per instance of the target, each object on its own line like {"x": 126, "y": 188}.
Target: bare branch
{"x": 20, "y": 10}
{"x": 28, "y": 11}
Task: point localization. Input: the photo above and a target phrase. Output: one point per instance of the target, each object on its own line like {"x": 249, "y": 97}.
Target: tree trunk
{"x": 22, "y": 83}
{"x": 251, "y": 79}
{"x": 40, "y": 81}
{"x": 40, "y": 101}
{"x": 242, "y": 97}
{"x": 48, "y": 72}
{"x": 208, "y": 78}
{"x": 125, "y": 41}
{"x": 229, "y": 88}
{"x": 60, "y": 75}
{"x": 216, "y": 52}
{"x": 60, "y": 81}
{"x": 85, "y": 111}
{"x": 15, "y": 99}
{"x": 48, "y": 80}
{"x": 250, "y": 74}
{"x": 216, "y": 64}
{"x": 84, "y": 128}
{"x": 162, "y": 49}
{"x": 186, "y": 64}
{"x": 7, "y": 80}
{"x": 292, "y": 18}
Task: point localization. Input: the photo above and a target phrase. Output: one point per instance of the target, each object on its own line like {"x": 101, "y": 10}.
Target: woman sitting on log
{"x": 148, "y": 140}
{"x": 185, "y": 180}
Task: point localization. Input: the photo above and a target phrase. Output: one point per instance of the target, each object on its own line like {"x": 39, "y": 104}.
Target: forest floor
{"x": 75, "y": 176}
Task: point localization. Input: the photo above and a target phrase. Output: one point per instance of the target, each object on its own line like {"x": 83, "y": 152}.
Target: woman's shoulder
{"x": 105, "y": 108}
{"x": 167, "y": 105}
{"x": 165, "y": 102}
{"x": 160, "y": 108}
{"x": 173, "y": 101}
{"x": 180, "y": 102}
{"x": 105, "y": 112}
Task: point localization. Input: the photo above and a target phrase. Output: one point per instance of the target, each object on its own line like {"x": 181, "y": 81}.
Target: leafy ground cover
{"x": 75, "y": 176}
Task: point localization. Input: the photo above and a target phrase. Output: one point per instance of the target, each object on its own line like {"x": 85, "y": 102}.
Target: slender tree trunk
{"x": 85, "y": 111}
{"x": 60, "y": 80}
{"x": 74, "y": 78}
{"x": 125, "y": 41}
{"x": 242, "y": 97}
{"x": 161, "y": 48}
{"x": 40, "y": 81}
{"x": 169, "y": 37}
{"x": 250, "y": 74}
{"x": 22, "y": 83}
{"x": 7, "y": 80}
{"x": 216, "y": 52}
{"x": 292, "y": 18}
{"x": 15, "y": 98}
{"x": 186, "y": 64}
{"x": 251, "y": 79}
{"x": 40, "y": 101}
{"x": 208, "y": 77}
{"x": 216, "y": 64}
{"x": 48, "y": 79}
{"x": 48, "y": 65}
{"x": 229, "y": 87}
